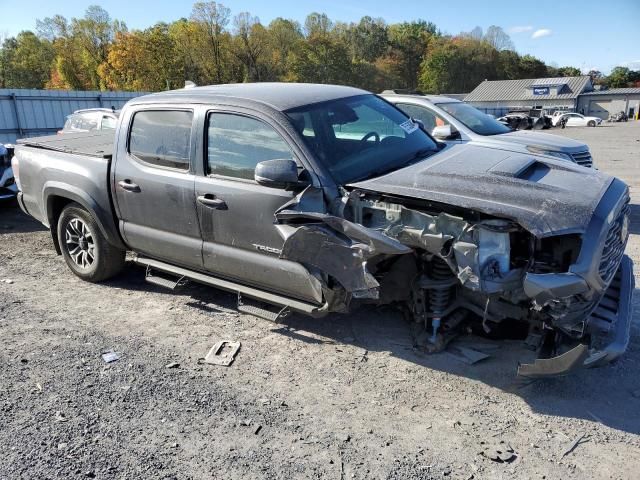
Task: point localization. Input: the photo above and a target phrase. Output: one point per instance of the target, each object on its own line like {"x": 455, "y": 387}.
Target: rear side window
{"x": 162, "y": 137}
{"x": 236, "y": 144}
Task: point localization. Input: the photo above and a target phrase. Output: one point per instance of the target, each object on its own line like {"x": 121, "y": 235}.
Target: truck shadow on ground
{"x": 609, "y": 395}
{"x": 12, "y": 220}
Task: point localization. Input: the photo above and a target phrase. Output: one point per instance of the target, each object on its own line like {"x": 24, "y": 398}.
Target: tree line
{"x": 96, "y": 52}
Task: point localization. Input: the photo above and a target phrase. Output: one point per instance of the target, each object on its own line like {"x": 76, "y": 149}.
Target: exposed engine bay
{"x": 449, "y": 269}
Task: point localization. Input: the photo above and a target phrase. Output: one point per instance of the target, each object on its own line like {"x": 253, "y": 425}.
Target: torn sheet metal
{"x": 556, "y": 366}
{"x": 333, "y": 245}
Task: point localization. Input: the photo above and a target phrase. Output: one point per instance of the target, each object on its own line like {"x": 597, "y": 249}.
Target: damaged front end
{"x": 452, "y": 269}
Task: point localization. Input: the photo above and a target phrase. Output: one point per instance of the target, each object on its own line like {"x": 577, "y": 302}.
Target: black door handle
{"x": 212, "y": 202}
{"x": 128, "y": 185}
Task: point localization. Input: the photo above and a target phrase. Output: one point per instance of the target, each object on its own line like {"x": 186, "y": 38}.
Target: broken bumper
{"x": 612, "y": 316}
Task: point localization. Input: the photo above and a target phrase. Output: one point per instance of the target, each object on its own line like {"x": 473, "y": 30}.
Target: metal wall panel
{"x": 30, "y": 113}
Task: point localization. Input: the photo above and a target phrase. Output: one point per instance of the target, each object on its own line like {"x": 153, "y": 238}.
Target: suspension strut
{"x": 439, "y": 296}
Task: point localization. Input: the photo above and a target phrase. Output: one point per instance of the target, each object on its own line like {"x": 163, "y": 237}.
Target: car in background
{"x": 576, "y": 120}
{"x": 8, "y": 187}
{"x": 453, "y": 121}
{"x": 91, "y": 120}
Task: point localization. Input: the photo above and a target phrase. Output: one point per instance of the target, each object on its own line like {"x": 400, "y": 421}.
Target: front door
{"x": 154, "y": 187}
{"x": 240, "y": 240}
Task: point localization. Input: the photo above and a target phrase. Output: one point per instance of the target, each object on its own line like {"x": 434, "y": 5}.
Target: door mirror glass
{"x": 277, "y": 173}
{"x": 445, "y": 132}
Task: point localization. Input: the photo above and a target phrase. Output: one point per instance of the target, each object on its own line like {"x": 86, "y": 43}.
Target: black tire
{"x": 591, "y": 123}
{"x": 87, "y": 254}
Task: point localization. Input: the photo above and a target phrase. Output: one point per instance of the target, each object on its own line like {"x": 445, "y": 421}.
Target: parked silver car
{"x": 453, "y": 121}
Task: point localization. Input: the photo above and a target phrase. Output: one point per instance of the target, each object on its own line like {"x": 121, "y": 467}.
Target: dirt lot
{"x": 342, "y": 397}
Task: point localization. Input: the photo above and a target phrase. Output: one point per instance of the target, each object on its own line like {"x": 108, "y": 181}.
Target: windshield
{"x": 360, "y": 137}
{"x": 474, "y": 119}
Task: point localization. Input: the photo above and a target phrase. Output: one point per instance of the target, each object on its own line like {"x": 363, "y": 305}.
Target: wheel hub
{"x": 79, "y": 243}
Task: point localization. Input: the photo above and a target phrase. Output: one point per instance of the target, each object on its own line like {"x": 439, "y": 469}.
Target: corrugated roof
{"x": 550, "y": 81}
{"x": 505, "y": 90}
{"x": 615, "y": 91}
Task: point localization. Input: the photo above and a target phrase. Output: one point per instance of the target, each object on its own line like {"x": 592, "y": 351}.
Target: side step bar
{"x": 268, "y": 297}
{"x": 161, "y": 281}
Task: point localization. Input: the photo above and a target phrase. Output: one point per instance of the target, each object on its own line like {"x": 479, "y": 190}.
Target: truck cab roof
{"x": 431, "y": 98}
{"x": 278, "y": 96}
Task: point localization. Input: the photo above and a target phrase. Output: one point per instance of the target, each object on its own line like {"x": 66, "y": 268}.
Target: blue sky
{"x": 581, "y": 33}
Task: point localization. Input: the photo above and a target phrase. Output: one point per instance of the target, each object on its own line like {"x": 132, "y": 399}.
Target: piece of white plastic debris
{"x": 110, "y": 356}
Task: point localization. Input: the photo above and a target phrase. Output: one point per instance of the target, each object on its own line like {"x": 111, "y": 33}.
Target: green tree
{"x": 81, "y": 46}
{"x": 409, "y": 41}
{"x": 458, "y": 65}
{"x": 213, "y": 19}
{"x": 251, "y": 48}
{"x": 321, "y": 59}
{"x": 284, "y": 37}
{"x": 143, "y": 61}
{"x": 619, "y": 77}
{"x": 25, "y": 61}
{"x": 531, "y": 67}
{"x": 317, "y": 24}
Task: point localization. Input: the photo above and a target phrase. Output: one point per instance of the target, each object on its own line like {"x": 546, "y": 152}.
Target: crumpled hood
{"x": 545, "y": 196}
{"x": 543, "y": 141}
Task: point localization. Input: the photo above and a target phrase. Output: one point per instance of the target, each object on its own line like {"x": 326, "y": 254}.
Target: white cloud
{"x": 542, "y": 32}
{"x": 520, "y": 29}
{"x": 632, "y": 65}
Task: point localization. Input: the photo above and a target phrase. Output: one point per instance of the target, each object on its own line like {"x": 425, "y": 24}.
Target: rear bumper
{"x": 612, "y": 317}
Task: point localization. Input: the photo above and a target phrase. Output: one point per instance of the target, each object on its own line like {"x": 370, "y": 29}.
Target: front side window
{"x": 162, "y": 137}
{"x": 236, "y": 144}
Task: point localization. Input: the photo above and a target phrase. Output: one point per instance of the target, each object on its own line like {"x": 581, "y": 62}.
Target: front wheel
{"x": 84, "y": 247}
{"x": 591, "y": 123}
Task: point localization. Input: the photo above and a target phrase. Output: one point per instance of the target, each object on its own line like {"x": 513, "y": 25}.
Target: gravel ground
{"x": 341, "y": 397}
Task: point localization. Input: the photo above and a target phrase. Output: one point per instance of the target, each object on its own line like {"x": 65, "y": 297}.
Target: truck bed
{"x": 93, "y": 144}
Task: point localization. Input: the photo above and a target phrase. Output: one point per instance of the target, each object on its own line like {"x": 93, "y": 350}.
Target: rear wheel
{"x": 591, "y": 123}
{"x": 84, "y": 247}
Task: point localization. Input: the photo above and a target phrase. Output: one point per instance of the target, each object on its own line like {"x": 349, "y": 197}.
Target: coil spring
{"x": 439, "y": 297}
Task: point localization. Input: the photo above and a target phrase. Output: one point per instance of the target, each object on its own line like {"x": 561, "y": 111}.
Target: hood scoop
{"x": 520, "y": 167}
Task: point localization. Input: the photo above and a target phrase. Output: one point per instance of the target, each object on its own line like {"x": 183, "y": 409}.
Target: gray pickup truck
{"x": 318, "y": 198}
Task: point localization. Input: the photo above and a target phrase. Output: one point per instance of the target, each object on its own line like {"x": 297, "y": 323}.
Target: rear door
{"x": 154, "y": 185}
{"x": 240, "y": 240}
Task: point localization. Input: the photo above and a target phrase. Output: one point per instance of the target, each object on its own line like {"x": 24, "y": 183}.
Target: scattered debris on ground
{"x": 572, "y": 446}
{"x": 222, "y": 353}
{"x": 110, "y": 356}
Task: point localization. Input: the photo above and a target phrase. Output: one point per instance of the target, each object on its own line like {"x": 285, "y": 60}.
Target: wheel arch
{"x": 56, "y": 197}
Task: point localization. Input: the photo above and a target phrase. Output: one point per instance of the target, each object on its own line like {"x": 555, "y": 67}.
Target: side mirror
{"x": 278, "y": 173}
{"x": 445, "y": 132}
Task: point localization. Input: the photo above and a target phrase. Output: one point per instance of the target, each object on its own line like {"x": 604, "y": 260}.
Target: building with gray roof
{"x": 573, "y": 94}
